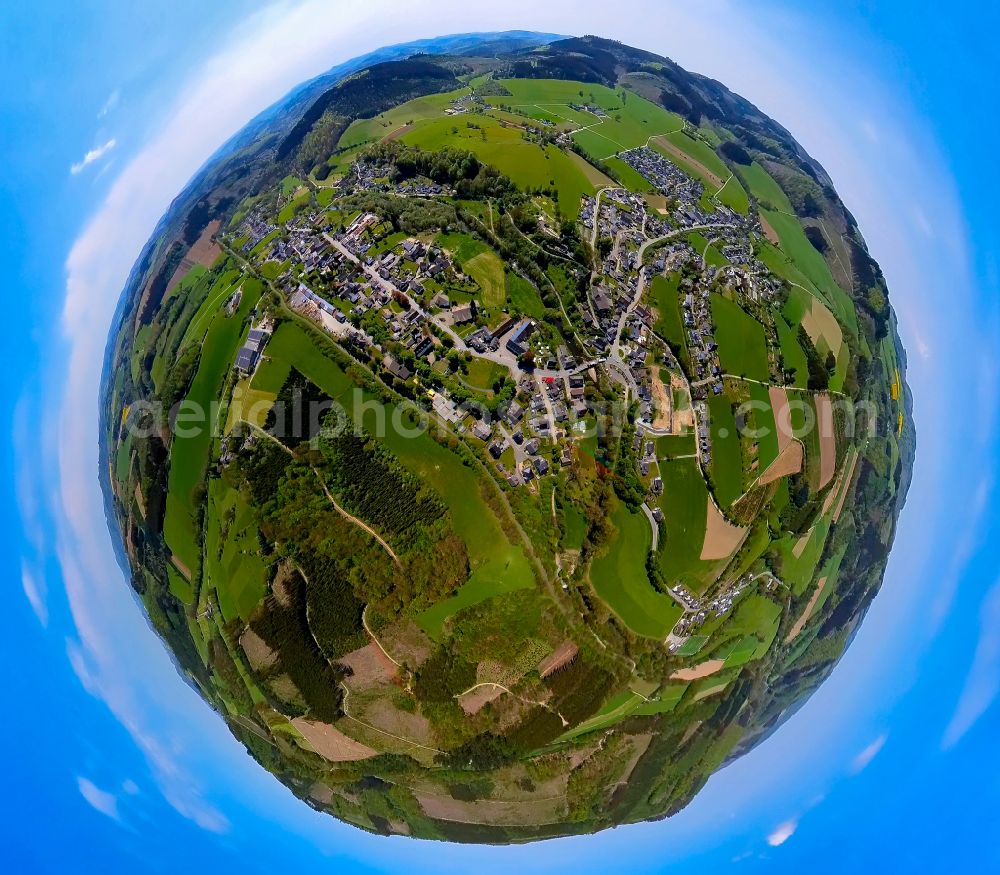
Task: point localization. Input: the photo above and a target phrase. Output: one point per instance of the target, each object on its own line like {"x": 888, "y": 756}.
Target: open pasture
{"x": 619, "y": 577}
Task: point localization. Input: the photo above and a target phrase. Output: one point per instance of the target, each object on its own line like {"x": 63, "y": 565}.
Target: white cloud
{"x": 782, "y": 832}
{"x": 864, "y": 757}
{"x": 98, "y": 799}
{"x": 34, "y": 589}
{"x": 113, "y": 98}
{"x": 983, "y": 682}
{"x": 95, "y": 154}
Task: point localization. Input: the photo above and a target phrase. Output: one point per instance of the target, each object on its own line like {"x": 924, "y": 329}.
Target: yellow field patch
{"x": 823, "y": 328}
{"x": 249, "y": 405}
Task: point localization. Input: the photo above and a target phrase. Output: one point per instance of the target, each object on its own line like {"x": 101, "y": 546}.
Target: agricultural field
{"x": 742, "y": 345}
{"x": 531, "y": 166}
{"x": 684, "y": 502}
{"x": 481, "y": 264}
{"x": 665, "y": 299}
{"x": 189, "y": 456}
{"x": 620, "y": 578}
{"x": 727, "y": 457}
{"x": 397, "y": 121}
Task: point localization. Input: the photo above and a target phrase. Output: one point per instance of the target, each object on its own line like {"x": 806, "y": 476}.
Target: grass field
{"x": 497, "y": 566}
{"x": 755, "y": 616}
{"x": 189, "y": 455}
{"x": 380, "y": 127}
{"x": 727, "y": 457}
{"x": 684, "y": 516}
{"x": 483, "y": 373}
{"x": 765, "y": 189}
{"x": 791, "y": 352}
{"x": 619, "y": 577}
{"x": 742, "y": 344}
{"x": 767, "y": 443}
{"x": 664, "y": 297}
{"x": 233, "y": 565}
{"x": 528, "y": 164}
{"x": 631, "y": 178}
{"x": 692, "y": 646}
{"x": 524, "y": 297}
{"x": 799, "y": 571}
{"x": 672, "y": 446}
{"x": 630, "y": 122}
{"x": 222, "y": 289}
{"x": 575, "y": 526}
{"x": 271, "y": 375}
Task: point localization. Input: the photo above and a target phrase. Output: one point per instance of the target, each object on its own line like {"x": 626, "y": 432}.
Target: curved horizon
{"x": 887, "y": 166}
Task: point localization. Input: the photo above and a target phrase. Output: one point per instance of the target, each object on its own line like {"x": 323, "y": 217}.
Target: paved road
{"x": 654, "y": 524}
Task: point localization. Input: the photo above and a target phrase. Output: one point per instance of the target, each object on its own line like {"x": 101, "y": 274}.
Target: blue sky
{"x": 114, "y": 761}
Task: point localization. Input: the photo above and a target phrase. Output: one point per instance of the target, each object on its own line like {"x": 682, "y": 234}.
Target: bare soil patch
{"x": 369, "y": 666}
{"x": 594, "y": 176}
{"x": 801, "y": 543}
{"x": 697, "y": 672}
{"x": 284, "y": 688}
{"x": 204, "y": 252}
{"x": 562, "y": 656}
{"x": 721, "y": 536}
{"x": 789, "y": 462}
{"x": 331, "y": 743}
{"x": 800, "y": 623}
{"x": 321, "y": 793}
{"x": 769, "y": 232}
{"x": 181, "y": 567}
{"x": 396, "y": 134}
{"x": 640, "y": 743}
{"x": 518, "y": 812}
{"x": 689, "y": 733}
{"x": 827, "y": 439}
{"x": 475, "y": 700}
{"x": 710, "y": 691}
{"x": 261, "y": 656}
{"x": 782, "y": 416}
{"x": 280, "y": 585}
{"x": 657, "y": 202}
{"x": 406, "y": 642}
{"x": 664, "y": 403}
{"x": 140, "y": 500}
{"x": 384, "y": 715}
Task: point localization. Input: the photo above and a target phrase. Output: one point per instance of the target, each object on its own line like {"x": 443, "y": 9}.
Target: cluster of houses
{"x": 254, "y": 228}
{"x": 696, "y": 613}
{"x": 531, "y": 433}
{"x": 248, "y": 356}
{"x": 366, "y": 176}
{"x": 670, "y": 180}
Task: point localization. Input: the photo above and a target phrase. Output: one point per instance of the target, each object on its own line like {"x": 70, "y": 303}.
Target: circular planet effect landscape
{"x": 504, "y": 437}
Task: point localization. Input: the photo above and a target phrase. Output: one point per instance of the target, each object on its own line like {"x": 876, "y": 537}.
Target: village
{"x": 389, "y": 300}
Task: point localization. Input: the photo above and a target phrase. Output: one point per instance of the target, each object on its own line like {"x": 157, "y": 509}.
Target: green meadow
{"x": 619, "y": 577}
